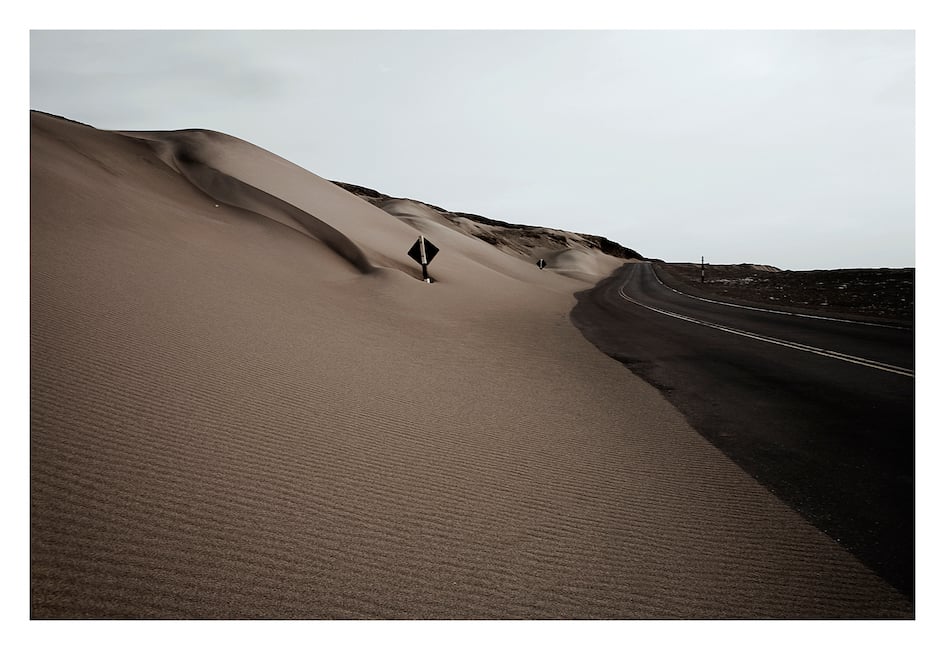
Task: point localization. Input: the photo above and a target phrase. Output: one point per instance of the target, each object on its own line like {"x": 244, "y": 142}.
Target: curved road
{"x": 819, "y": 410}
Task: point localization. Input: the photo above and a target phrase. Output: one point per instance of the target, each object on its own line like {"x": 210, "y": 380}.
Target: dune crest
{"x": 185, "y": 152}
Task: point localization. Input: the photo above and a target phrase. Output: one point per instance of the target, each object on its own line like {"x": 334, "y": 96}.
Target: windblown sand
{"x": 244, "y": 404}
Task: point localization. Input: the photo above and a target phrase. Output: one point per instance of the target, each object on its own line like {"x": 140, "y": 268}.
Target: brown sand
{"x": 244, "y": 411}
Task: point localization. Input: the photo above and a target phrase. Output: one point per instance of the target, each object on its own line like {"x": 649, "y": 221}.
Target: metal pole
{"x": 423, "y": 259}
{"x": 703, "y": 269}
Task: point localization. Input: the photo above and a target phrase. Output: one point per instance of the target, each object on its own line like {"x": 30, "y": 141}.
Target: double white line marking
{"x": 879, "y": 365}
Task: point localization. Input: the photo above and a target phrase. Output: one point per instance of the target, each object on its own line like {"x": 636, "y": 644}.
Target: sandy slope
{"x": 246, "y": 405}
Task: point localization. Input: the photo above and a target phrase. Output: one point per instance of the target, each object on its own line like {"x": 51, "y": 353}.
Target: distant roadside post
{"x": 703, "y": 269}
{"x": 423, "y": 252}
{"x": 541, "y": 263}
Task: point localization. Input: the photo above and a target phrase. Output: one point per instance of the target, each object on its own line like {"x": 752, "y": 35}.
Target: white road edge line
{"x": 788, "y": 344}
{"x": 775, "y": 311}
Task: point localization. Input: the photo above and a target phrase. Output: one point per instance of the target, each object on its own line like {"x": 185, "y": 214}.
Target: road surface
{"x": 820, "y": 411}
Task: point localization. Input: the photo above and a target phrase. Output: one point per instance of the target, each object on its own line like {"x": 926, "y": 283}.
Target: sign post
{"x": 541, "y": 263}
{"x": 423, "y": 252}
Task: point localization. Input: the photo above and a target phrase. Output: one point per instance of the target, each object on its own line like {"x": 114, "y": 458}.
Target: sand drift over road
{"x": 820, "y": 410}
{"x": 245, "y": 404}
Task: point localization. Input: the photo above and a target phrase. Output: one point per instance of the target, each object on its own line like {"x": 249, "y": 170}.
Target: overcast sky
{"x": 794, "y": 149}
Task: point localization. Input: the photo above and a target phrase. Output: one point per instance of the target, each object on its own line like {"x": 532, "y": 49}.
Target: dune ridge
{"x": 184, "y": 153}
{"x": 230, "y": 419}
{"x": 584, "y": 257}
{"x": 235, "y": 192}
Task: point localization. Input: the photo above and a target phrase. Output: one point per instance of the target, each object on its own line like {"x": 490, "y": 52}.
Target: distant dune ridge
{"x": 532, "y": 241}
{"x": 244, "y": 404}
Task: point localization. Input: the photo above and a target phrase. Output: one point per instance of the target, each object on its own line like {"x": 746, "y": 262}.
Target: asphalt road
{"x": 819, "y": 411}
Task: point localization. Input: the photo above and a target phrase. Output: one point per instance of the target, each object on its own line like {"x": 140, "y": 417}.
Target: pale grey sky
{"x": 795, "y": 149}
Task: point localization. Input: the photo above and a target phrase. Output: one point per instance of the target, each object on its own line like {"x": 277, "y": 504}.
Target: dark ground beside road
{"x": 833, "y": 440}
{"x": 879, "y": 294}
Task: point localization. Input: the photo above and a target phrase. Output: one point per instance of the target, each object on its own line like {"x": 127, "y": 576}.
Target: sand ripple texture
{"x": 230, "y": 419}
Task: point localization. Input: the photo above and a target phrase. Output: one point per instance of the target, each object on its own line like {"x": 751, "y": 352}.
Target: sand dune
{"x": 245, "y": 405}
{"x": 585, "y": 256}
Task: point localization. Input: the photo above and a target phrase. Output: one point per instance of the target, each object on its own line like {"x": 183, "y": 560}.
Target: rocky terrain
{"x": 874, "y": 294}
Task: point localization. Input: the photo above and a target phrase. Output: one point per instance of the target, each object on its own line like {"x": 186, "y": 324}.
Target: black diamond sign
{"x": 423, "y": 251}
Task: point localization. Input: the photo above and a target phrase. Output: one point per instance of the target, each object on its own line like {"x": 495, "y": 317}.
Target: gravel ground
{"x": 872, "y": 294}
